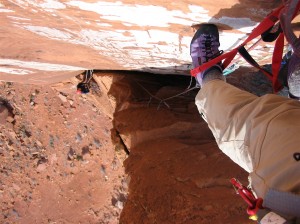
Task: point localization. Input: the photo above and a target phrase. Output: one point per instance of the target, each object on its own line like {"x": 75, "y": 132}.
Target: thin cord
{"x": 188, "y": 89}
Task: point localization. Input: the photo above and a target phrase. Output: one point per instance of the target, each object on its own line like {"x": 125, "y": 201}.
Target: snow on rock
{"x": 153, "y": 36}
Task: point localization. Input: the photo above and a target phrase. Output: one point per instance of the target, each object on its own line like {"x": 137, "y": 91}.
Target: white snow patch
{"x": 144, "y": 15}
{"x": 14, "y": 71}
{"x": 6, "y": 10}
{"x": 141, "y": 15}
{"x": 49, "y": 32}
{"x": 18, "y": 18}
{"x": 104, "y": 24}
{"x": 127, "y": 24}
{"x": 229, "y": 41}
{"x": 168, "y": 37}
{"x": 52, "y": 4}
{"x": 198, "y": 15}
{"x": 20, "y": 3}
{"x": 244, "y": 25}
{"x": 197, "y": 9}
{"x": 39, "y": 65}
{"x": 47, "y": 5}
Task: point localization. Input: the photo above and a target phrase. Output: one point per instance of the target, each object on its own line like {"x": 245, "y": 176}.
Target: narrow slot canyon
{"x": 133, "y": 150}
{"x": 177, "y": 173}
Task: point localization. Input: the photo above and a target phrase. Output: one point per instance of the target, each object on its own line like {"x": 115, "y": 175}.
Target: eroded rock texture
{"x": 124, "y": 153}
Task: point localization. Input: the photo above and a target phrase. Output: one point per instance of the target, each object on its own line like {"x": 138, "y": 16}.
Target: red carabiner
{"x": 254, "y": 204}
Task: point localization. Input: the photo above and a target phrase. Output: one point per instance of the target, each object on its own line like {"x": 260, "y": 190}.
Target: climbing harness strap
{"x": 88, "y": 76}
{"x": 84, "y": 85}
{"x": 263, "y": 27}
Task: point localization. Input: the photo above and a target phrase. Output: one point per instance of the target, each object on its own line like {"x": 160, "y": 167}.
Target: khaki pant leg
{"x": 260, "y": 134}
{"x": 221, "y": 106}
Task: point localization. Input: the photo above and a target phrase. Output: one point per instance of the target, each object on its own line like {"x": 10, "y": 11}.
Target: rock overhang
{"x": 45, "y": 39}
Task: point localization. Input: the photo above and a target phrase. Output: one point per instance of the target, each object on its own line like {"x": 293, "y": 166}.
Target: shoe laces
{"x": 210, "y": 48}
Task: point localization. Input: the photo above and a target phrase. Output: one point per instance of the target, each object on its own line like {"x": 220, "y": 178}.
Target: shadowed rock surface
{"x": 63, "y": 155}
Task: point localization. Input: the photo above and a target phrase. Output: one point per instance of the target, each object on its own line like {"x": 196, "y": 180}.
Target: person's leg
{"x": 204, "y": 47}
{"x": 219, "y": 103}
{"x": 257, "y": 133}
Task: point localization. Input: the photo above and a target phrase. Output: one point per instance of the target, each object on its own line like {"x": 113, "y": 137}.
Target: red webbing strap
{"x": 276, "y": 62}
{"x": 264, "y": 25}
{"x": 252, "y": 62}
{"x": 268, "y": 22}
{"x": 277, "y": 54}
{"x": 228, "y": 60}
{"x": 212, "y": 62}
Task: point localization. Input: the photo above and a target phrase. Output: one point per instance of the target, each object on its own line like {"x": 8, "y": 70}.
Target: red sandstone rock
{"x": 54, "y": 40}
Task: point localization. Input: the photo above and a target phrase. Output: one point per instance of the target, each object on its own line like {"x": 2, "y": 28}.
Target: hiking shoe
{"x": 205, "y": 47}
{"x": 293, "y": 79}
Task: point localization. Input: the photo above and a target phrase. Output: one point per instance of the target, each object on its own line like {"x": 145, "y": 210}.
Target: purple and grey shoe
{"x": 205, "y": 47}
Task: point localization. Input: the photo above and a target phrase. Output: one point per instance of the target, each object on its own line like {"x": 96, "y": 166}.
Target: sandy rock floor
{"x": 58, "y": 164}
